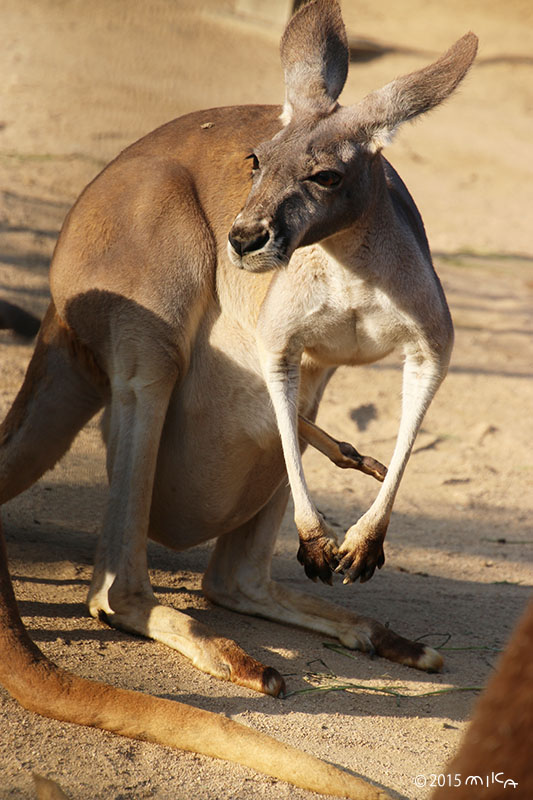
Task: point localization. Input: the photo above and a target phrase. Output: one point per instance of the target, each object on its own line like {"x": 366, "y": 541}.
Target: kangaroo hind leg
{"x": 238, "y": 577}
{"x": 143, "y": 376}
{"x": 63, "y": 388}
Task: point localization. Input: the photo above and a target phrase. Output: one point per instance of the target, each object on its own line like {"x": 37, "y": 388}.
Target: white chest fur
{"x": 330, "y": 312}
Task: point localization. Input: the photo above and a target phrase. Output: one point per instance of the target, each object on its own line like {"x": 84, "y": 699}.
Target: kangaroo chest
{"x": 331, "y": 314}
{"x": 357, "y": 332}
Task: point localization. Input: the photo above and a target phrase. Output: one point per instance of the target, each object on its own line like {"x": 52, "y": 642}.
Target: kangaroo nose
{"x": 242, "y": 244}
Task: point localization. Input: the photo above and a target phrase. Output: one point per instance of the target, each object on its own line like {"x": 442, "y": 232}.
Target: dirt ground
{"x": 79, "y": 82}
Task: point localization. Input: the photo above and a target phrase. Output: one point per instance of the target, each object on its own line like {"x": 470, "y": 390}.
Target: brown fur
{"x": 210, "y": 354}
{"x": 499, "y": 740}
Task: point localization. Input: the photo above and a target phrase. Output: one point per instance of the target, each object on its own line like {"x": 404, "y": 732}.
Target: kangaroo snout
{"x": 248, "y": 241}
{"x": 250, "y": 246}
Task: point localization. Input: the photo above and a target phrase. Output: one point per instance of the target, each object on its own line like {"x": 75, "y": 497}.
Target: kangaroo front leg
{"x": 362, "y": 549}
{"x": 318, "y": 543}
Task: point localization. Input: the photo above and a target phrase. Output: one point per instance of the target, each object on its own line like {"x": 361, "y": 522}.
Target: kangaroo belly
{"x": 220, "y": 458}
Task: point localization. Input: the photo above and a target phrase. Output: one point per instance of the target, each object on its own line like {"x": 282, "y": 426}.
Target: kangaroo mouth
{"x": 266, "y": 258}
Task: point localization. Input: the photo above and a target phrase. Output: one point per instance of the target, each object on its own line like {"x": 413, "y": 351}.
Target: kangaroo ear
{"x": 314, "y": 56}
{"x": 378, "y": 116}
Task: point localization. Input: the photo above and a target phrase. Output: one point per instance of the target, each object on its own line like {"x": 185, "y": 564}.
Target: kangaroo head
{"x": 314, "y": 178}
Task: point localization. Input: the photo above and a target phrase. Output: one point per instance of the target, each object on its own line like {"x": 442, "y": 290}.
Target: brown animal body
{"x": 210, "y": 353}
{"x": 494, "y": 760}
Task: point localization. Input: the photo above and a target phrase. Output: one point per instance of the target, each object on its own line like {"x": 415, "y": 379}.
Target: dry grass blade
{"x": 329, "y": 681}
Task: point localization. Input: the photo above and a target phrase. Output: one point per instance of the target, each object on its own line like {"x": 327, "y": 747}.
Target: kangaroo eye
{"x": 327, "y": 178}
{"x": 255, "y": 161}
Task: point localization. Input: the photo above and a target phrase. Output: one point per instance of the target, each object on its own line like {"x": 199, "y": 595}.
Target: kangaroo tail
{"x": 41, "y": 686}
{"x": 63, "y": 388}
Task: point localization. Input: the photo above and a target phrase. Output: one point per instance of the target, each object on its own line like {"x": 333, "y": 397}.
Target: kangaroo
{"x": 205, "y": 286}
{"x": 495, "y": 754}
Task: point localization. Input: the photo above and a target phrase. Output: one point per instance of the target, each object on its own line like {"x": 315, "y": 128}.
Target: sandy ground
{"x": 79, "y": 82}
